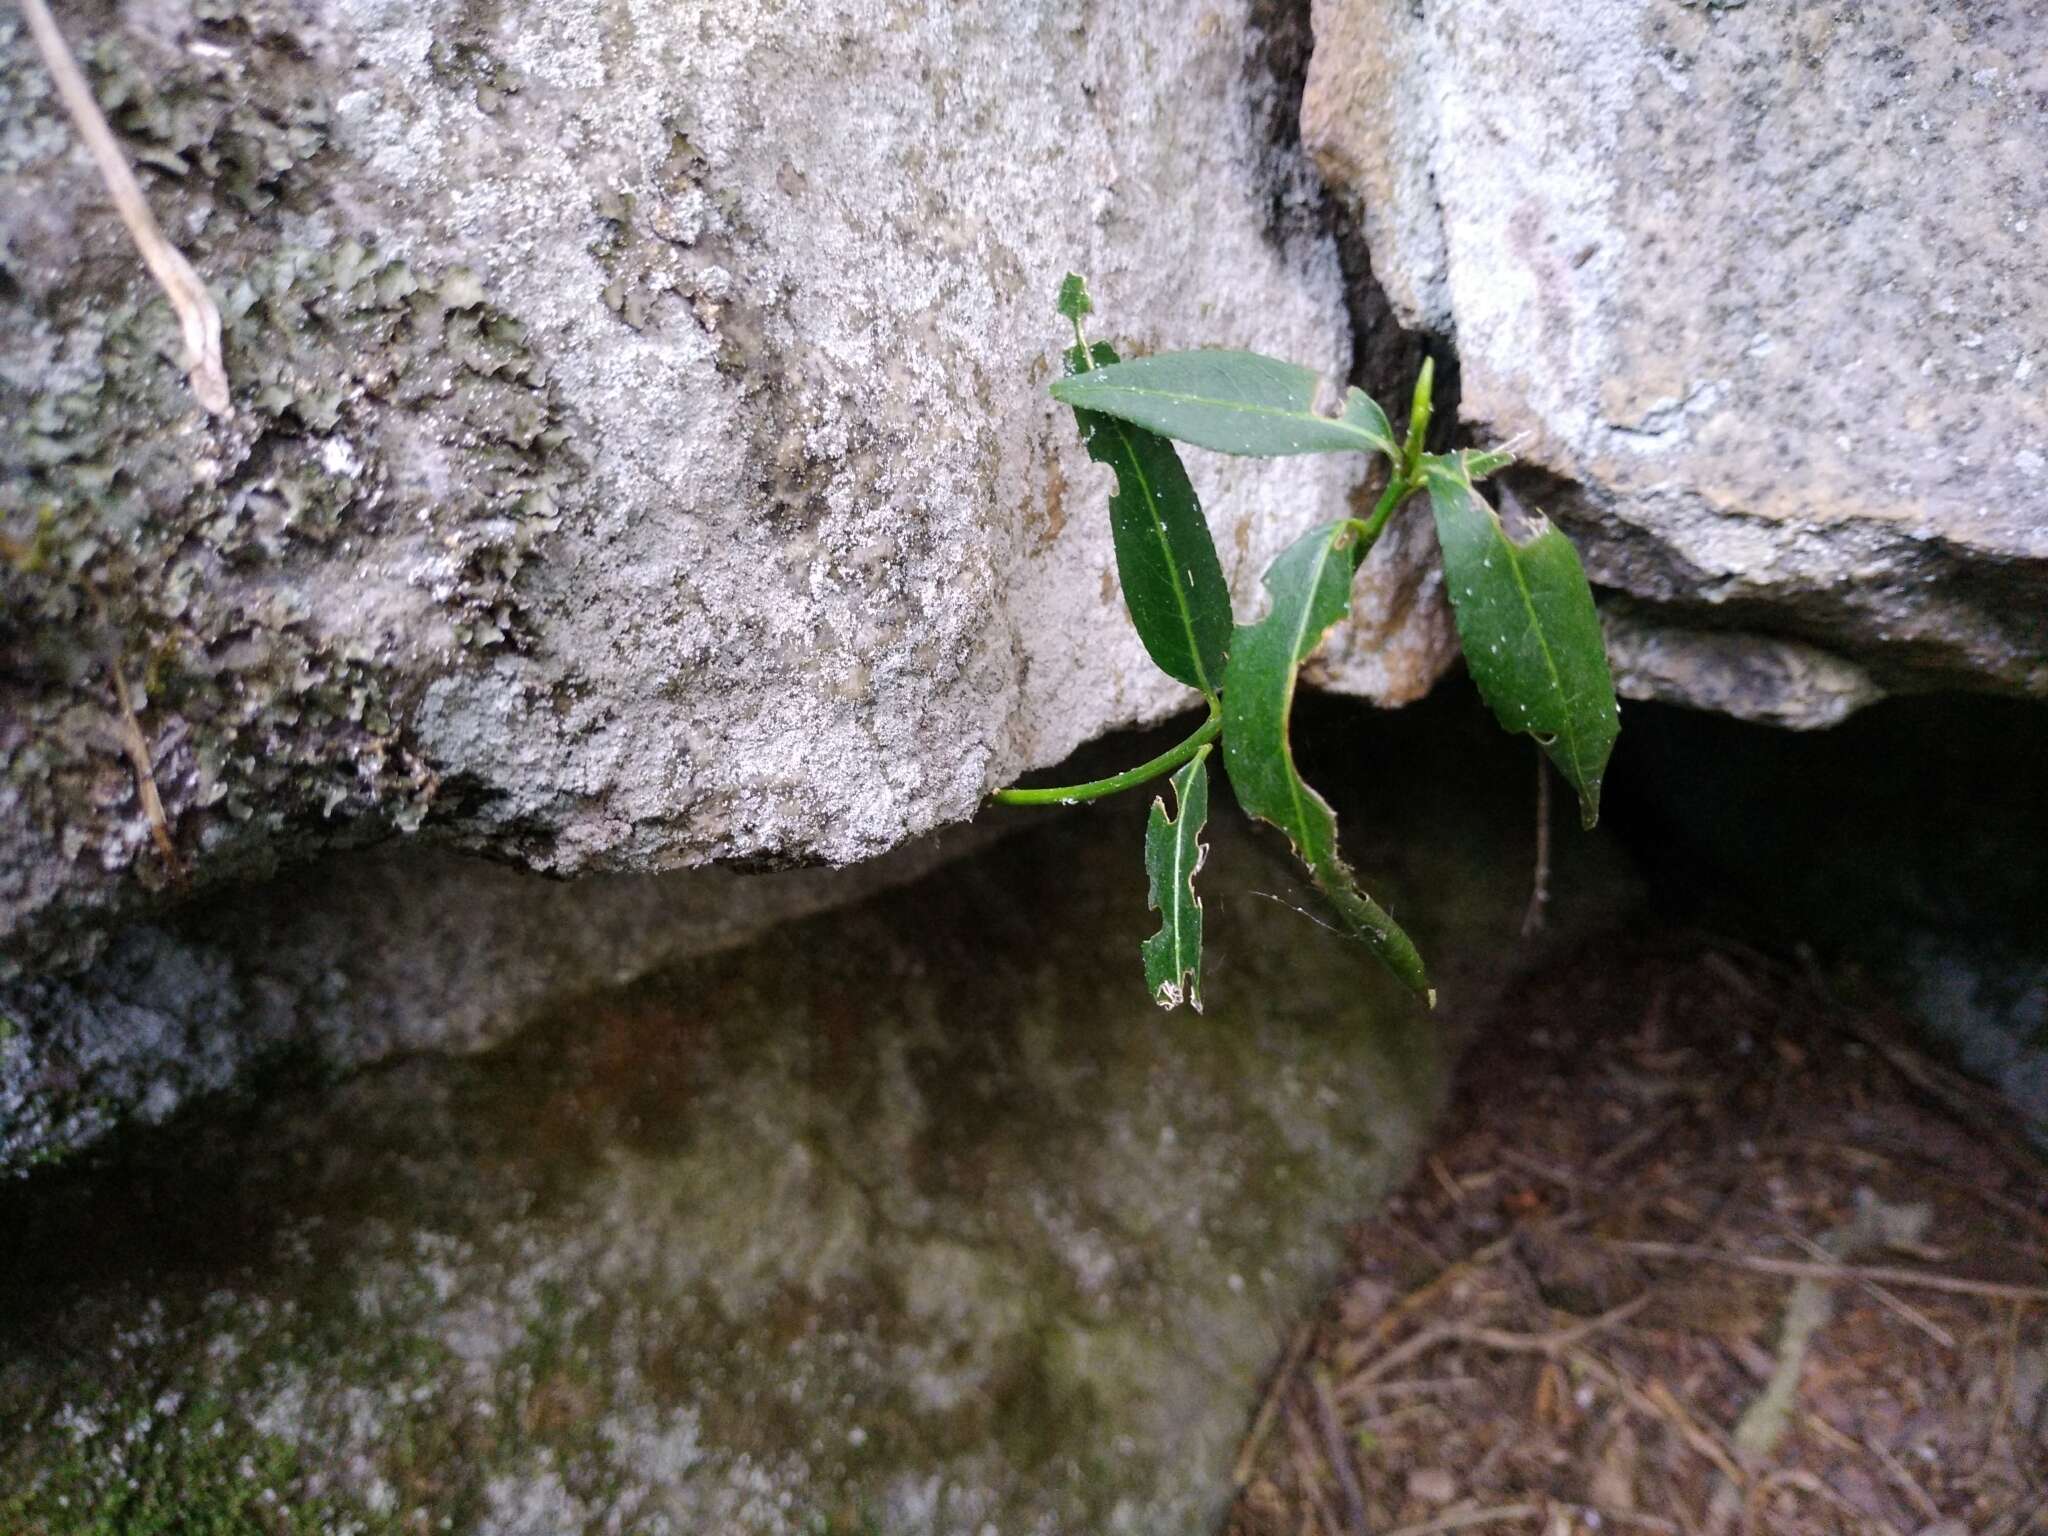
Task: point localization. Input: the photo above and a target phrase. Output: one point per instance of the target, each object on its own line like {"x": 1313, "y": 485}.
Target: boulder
{"x": 352, "y": 959}
{"x": 915, "y": 1219}
{"x": 639, "y": 455}
{"x": 1760, "y": 291}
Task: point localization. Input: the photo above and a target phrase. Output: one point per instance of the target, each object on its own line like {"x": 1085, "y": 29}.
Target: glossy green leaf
{"x": 1309, "y": 588}
{"x": 1233, "y": 402}
{"x": 1526, "y": 621}
{"x": 1173, "y": 857}
{"x": 1173, "y": 583}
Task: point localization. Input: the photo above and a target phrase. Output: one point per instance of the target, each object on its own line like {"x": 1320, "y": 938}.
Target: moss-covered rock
{"x": 918, "y": 1217}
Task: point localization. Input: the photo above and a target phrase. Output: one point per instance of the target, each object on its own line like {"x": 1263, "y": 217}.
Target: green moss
{"x": 855, "y": 1522}
{"x": 188, "y": 1469}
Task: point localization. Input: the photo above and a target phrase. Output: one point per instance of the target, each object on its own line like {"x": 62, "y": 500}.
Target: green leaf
{"x": 1173, "y": 583}
{"x": 1310, "y": 589}
{"x": 1173, "y": 857}
{"x": 1479, "y": 463}
{"x": 1233, "y": 402}
{"x": 1528, "y": 627}
{"x": 1073, "y": 300}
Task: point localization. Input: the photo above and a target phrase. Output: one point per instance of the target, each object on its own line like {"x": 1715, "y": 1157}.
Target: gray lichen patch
{"x": 269, "y": 582}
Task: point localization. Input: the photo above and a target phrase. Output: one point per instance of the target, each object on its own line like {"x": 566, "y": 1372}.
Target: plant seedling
{"x": 1523, "y": 609}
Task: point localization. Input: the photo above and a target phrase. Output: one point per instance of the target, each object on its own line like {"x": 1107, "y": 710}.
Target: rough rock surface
{"x": 945, "y": 1228}
{"x": 354, "y": 958}
{"x": 1763, "y": 287}
{"x": 639, "y": 453}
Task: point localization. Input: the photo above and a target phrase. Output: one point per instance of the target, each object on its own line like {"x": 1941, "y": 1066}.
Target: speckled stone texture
{"x": 1761, "y": 289}
{"x": 640, "y": 454}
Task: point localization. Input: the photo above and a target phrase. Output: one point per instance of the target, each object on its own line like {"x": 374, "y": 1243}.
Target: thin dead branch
{"x": 1269, "y": 1407}
{"x": 1893, "y": 1304}
{"x": 1558, "y": 1343}
{"x": 135, "y": 746}
{"x": 1467, "y": 1519}
{"x": 1954, "y": 1285}
{"x": 198, "y": 319}
{"x": 1331, "y": 1426}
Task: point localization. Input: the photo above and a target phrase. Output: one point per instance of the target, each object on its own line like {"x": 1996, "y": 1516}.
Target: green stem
{"x": 1095, "y": 789}
{"x": 1404, "y": 476}
{"x": 1419, "y": 413}
{"x": 1396, "y": 492}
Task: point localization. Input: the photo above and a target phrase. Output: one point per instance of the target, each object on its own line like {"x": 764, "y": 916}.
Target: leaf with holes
{"x": 1173, "y": 857}
{"x": 1481, "y": 462}
{"x": 1233, "y": 402}
{"x": 1309, "y": 587}
{"x": 1165, "y": 559}
{"x": 1527, "y": 623}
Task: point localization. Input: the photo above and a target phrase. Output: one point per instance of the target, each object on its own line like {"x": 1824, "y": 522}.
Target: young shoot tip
{"x": 1074, "y": 301}
{"x": 1418, "y": 410}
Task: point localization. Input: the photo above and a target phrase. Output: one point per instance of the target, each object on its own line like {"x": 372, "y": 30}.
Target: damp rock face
{"x": 1762, "y": 292}
{"x": 639, "y": 454}
{"x": 353, "y": 958}
{"x": 918, "y": 1217}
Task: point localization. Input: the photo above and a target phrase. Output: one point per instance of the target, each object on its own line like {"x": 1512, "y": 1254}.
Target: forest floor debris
{"x": 1706, "y": 1247}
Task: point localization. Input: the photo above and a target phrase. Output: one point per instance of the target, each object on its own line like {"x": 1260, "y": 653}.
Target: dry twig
{"x": 198, "y": 319}
{"x": 1955, "y": 1285}
{"x": 1466, "y": 1519}
{"x": 135, "y": 746}
{"x": 1339, "y": 1454}
{"x": 1558, "y": 1343}
{"x": 1269, "y": 1409}
{"x": 1885, "y": 1298}
{"x": 1657, "y": 1401}
{"x": 1806, "y": 1482}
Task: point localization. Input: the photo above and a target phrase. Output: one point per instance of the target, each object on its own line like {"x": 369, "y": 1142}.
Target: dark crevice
{"x": 1386, "y": 356}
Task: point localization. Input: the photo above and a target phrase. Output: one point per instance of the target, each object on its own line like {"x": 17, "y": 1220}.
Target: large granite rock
{"x": 1762, "y": 289}
{"x": 916, "y": 1219}
{"x": 639, "y": 454}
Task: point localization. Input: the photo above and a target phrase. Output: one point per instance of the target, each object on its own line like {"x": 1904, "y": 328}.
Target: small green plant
{"x": 1524, "y": 613}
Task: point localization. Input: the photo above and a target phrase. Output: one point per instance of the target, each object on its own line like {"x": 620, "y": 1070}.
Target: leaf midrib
{"x": 1180, "y": 600}
{"x": 1294, "y": 658}
{"x": 1565, "y": 725}
{"x": 1182, "y": 891}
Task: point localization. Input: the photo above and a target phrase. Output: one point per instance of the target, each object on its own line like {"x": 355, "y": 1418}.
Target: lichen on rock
{"x": 267, "y": 584}
{"x": 638, "y": 455}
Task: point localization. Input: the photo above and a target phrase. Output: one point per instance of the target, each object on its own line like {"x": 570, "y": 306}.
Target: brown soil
{"x": 1569, "y": 1321}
